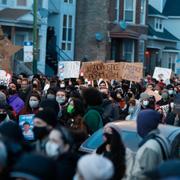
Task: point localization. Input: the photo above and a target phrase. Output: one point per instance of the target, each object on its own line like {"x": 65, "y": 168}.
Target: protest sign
{"x": 5, "y": 78}
{"x": 162, "y": 74}
{"x": 69, "y": 69}
{"x": 152, "y": 93}
{"x": 132, "y": 71}
{"x": 26, "y": 123}
{"x": 28, "y": 51}
{"x": 93, "y": 70}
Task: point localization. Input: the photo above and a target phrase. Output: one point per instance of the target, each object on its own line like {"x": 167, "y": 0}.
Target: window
{"x": 129, "y": 10}
{"x": 143, "y": 12}
{"x": 171, "y": 61}
{"x": 4, "y": 2}
{"x": 21, "y": 3}
{"x": 141, "y": 50}
{"x": 158, "y": 24}
{"x": 128, "y": 50}
{"x": 68, "y": 1}
{"x": 117, "y": 10}
{"x": 67, "y": 33}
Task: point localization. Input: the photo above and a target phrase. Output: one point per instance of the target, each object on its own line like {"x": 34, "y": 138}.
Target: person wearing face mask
{"x": 51, "y": 94}
{"x": 144, "y": 100}
{"x": 171, "y": 92}
{"x": 13, "y": 99}
{"x": 61, "y": 100}
{"x": 60, "y": 147}
{"x": 133, "y": 110}
{"x": 113, "y": 149}
{"x": 4, "y": 117}
{"x": 32, "y": 105}
{"x": 44, "y": 121}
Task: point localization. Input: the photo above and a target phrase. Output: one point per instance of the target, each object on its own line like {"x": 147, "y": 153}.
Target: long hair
{"x": 117, "y": 154}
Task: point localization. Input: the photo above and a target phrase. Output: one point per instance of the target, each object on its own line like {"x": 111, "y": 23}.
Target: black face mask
{"x": 3, "y": 117}
{"x": 108, "y": 137}
{"x": 40, "y": 132}
{"x": 11, "y": 91}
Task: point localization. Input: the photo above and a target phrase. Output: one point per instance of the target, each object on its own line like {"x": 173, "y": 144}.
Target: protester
{"x": 94, "y": 167}
{"x": 44, "y": 121}
{"x": 133, "y": 110}
{"x": 113, "y": 148}
{"x": 34, "y": 166}
{"x": 150, "y": 152}
{"x": 92, "y": 117}
{"x": 32, "y": 104}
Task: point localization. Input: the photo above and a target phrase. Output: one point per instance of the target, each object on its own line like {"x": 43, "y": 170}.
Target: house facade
{"x": 111, "y": 30}
{"x": 162, "y": 45}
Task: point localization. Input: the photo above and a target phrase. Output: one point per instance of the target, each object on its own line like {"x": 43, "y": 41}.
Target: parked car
{"x": 131, "y": 139}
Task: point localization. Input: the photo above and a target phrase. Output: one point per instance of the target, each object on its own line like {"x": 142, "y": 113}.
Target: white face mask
{"x": 170, "y": 92}
{"x": 156, "y": 91}
{"x": 145, "y": 103}
{"x": 172, "y": 105}
{"x": 52, "y": 149}
{"x": 62, "y": 85}
{"x": 33, "y": 104}
{"x": 60, "y": 100}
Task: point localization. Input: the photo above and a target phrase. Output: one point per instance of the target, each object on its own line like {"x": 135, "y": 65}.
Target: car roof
{"x": 167, "y": 130}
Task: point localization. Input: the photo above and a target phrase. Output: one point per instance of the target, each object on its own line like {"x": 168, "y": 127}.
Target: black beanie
{"x": 48, "y": 103}
{"x": 48, "y": 115}
{"x": 34, "y": 166}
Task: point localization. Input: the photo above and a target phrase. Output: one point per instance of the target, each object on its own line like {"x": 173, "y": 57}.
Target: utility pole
{"x": 35, "y": 38}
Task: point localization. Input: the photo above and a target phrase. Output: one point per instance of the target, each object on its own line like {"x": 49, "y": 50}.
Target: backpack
{"x": 164, "y": 144}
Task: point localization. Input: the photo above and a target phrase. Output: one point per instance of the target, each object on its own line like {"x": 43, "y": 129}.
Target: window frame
{"x": 158, "y": 24}
{"x": 117, "y": 11}
{"x": 132, "y": 50}
{"x": 67, "y": 32}
{"x": 133, "y": 12}
{"x": 68, "y": 1}
{"x": 141, "y": 52}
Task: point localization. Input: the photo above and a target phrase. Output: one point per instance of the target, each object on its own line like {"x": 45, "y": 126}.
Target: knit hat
{"x": 95, "y": 167}
{"x": 35, "y": 167}
{"x": 147, "y": 121}
{"x": 50, "y": 104}
{"x": 47, "y": 115}
{"x": 144, "y": 96}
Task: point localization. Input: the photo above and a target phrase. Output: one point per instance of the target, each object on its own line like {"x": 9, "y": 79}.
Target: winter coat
{"x": 16, "y": 103}
{"x": 93, "y": 119}
{"x": 134, "y": 115}
{"x": 111, "y": 110}
{"x": 148, "y": 156}
{"x": 66, "y": 166}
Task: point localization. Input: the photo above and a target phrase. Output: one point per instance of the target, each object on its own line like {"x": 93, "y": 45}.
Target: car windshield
{"x": 130, "y": 139}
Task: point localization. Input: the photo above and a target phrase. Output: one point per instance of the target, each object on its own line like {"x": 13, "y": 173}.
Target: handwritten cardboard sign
{"x": 162, "y": 74}
{"x": 132, "y": 71}
{"x": 69, "y": 69}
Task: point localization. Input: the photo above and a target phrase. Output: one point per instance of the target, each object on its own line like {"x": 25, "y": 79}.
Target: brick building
{"x": 115, "y": 29}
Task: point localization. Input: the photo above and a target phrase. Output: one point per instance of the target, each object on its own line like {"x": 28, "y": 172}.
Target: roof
{"x": 117, "y": 32}
{"x": 153, "y": 11}
{"x": 171, "y": 8}
{"x": 13, "y": 14}
{"x": 162, "y": 35}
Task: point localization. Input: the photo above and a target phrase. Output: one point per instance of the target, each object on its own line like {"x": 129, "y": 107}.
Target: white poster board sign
{"x": 28, "y": 51}
{"x": 162, "y": 74}
{"x": 5, "y": 78}
{"x": 68, "y": 69}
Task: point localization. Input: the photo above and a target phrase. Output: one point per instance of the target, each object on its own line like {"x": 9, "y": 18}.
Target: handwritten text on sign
{"x": 132, "y": 71}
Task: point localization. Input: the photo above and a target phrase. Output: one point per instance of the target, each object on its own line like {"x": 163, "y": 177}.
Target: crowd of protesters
{"x": 66, "y": 112}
